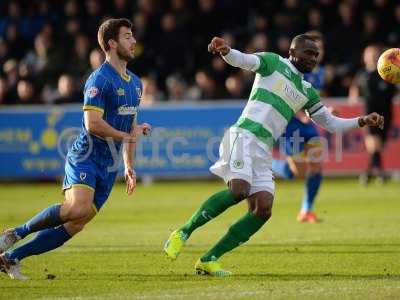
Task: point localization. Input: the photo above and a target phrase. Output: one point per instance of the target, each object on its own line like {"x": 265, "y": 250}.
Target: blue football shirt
{"x": 117, "y": 98}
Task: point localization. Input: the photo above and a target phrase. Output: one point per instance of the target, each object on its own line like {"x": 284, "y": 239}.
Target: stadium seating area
{"x": 47, "y": 48}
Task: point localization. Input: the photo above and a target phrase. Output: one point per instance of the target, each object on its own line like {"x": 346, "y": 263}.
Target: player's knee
{"x": 264, "y": 214}
{"x": 75, "y": 212}
{"x": 74, "y": 227}
{"x": 240, "y": 193}
{"x": 78, "y": 227}
{"x": 240, "y": 189}
{"x": 263, "y": 208}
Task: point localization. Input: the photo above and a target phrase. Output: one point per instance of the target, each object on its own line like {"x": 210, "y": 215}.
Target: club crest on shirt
{"x": 238, "y": 164}
{"x": 82, "y": 176}
{"x": 126, "y": 110}
{"x": 92, "y": 92}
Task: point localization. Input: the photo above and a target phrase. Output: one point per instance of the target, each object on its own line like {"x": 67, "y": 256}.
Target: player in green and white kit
{"x": 279, "y": 91}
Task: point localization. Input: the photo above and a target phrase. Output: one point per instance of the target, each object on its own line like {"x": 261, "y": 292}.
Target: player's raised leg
{"x": 260, "y": 207}
{"x": 77, "y": 210}
{"x": 211, "y": 208}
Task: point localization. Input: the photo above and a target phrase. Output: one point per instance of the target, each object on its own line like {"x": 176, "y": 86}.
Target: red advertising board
{"x": 347, "y": 155}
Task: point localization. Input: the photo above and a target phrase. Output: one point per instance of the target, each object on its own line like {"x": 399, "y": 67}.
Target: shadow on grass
{"x": 299, "y": 248}
{"x": 267, "y": 276}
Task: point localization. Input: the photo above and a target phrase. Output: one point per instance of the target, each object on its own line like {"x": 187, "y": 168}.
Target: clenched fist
{"x": 218, "y": 46}
{"x": 372, "y": 120}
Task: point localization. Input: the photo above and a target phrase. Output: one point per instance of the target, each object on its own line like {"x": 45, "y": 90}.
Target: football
{"x": 389, "y": 65}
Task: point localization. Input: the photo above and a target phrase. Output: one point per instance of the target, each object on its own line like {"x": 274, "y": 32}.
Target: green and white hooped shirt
{"x": 278, "y": 92}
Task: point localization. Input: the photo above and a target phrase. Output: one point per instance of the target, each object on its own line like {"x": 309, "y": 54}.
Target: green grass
{"x": 353, "y": 254}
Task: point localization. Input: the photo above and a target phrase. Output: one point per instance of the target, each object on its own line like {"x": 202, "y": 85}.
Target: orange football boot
{"x": 307, "y": 217}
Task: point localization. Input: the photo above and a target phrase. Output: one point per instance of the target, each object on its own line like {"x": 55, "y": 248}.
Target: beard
{"x": 124, "y": 54}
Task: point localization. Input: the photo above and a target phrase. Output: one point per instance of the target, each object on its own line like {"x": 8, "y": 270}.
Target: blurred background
{"x": 48, "y": 49}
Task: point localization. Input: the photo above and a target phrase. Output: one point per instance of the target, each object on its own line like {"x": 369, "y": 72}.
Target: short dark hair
{"x": 109, "y": 29}
{"x": 301, "y": 38}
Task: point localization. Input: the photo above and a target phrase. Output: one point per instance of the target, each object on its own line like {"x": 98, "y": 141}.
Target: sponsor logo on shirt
{"x": 139, "y": 92}
{"x": 127, "y": 110}
{"x": 92, "y": 92}
{"x": 292, "y": 93}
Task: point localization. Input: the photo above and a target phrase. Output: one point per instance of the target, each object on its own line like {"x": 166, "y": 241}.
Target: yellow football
{"x": 389, "y": 65}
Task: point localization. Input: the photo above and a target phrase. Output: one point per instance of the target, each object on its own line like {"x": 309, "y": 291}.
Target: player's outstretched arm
{"x": 95, "y": 125}
{"x": 234, "y": 57}
{"x": 324, "y": 118}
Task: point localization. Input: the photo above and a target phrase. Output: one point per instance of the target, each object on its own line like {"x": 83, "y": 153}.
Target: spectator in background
{"x": 4, "y": 56}
{"x": 171, "y": 49}
{"x": 204, "y": 26}
{"x": 45, "y": 61}
{"x": 378, "y": 96}
{"x": 93, "y": 17}
{"x": 13, "y": 16}
{"x": 23, "y": 70}
{"x": 347, "y": 32}
{"x": 79, "y": 63}
{"x": 182, "y": 13}
{"x": 261, "y": 24}
{"x": 67, "y": 92}
{"x": 235, "y": 86}
{"x": 259, "y": 43}
{"x": 383, "y": 10}
{"x": 10, "y": 69}
{"x": 16, "y": 43}
{"x": 26, "y": 92}
{"x": 71, "y": 9}
{"x": 96, "y": 58}
{"x": 291, "y": 14}
{"x": 122, "y": 9}
{"x": 151, "y": 92}
{"x": 315, "y": 20}
{"x": 371, "y": 33}
{"x": 4, "y": 92}
{"x": 71, "y": 22}
{"x": 283, "y": 44}
{"x": 176, "y": 88}
{"x": 393, "y": 36}
{"x": 172, "y": 35}
{"x": 208, "y": 87}
{"x": 38, "y": 57}
{"x": 219, "y": 70}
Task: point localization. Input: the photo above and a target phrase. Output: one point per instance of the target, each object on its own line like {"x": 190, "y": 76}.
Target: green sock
{"x": 238, "y": 233}
{"x": 211, "y": 208}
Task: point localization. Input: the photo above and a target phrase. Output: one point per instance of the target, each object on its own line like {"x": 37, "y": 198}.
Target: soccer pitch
{"x": 353, "y": 254}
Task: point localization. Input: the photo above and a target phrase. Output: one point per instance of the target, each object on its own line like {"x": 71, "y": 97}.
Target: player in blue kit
{"x": 302, "y": 146}
{"x": 111, "y": 98}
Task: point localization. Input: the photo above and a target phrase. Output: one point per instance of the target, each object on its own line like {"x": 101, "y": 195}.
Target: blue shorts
{"x": 89, "y": 174}
{"x": 307, "y": 132}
